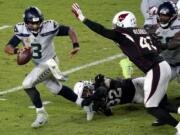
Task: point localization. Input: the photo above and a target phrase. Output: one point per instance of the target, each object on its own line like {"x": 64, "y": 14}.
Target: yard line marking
{"x": 3, "y": 99}
{"x": 5, "y": 27}
{"x": 71, "y": 71}
{"x": 44, "y": 103}
{"x": 11, "y": 90}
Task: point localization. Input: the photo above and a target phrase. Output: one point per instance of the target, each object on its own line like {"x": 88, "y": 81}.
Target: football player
{"x": 38, "y": 34}
{"x": 168, "y": 35}
{"x": 149, "y": 11}
{"x": 137, "y": 45}
{"x": 106, "y": 92}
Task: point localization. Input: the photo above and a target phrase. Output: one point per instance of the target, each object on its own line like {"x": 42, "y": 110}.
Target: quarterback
{"x": 38, "y": 34}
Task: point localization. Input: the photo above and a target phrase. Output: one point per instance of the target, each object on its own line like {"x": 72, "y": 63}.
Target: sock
{"x": 162, "y": 115}
{"x": 68, "y": 93}
{"x": 40, "y": 109}
{"x": 34, "y": 96}
{"x": 178, "y": 111}
{"x": 79, "y": 101}
{"x": 178, "y": 127}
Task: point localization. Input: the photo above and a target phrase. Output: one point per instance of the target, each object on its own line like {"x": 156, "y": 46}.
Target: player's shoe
{"x": 157, "y": 123}
{"x": 41, "y": 119}
{"x": 89, "y": 112}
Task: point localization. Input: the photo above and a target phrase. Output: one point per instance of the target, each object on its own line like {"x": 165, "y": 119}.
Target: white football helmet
{"x": 124, "y": 19}
{"x": 84, "y": 89}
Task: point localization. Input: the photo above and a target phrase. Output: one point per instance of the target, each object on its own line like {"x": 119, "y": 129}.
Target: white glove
{"x": 77, "y": 12}
{"x": 153, "y": 11}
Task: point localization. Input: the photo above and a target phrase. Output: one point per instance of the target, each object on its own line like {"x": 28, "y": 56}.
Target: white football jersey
{"x": 42, "y": 45}
{"x": 171, "y": 56}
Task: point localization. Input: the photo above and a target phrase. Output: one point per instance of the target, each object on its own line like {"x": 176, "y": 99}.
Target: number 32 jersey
{"x": 42, "y": 44}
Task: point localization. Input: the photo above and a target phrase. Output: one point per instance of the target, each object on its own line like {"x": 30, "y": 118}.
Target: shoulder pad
{"x": 50, "y": 25}
{"x": 19, "y": 28}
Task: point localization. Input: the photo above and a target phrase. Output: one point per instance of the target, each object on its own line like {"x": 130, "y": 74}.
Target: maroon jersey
{"x": 134, "y": 42}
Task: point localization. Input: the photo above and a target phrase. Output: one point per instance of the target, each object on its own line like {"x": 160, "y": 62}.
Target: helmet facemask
{"x": 33, "y": 19}
{"x": 167, "y": 13}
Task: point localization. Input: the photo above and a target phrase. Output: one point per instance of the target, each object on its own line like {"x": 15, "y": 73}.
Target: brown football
{"x": 24, "y": 56}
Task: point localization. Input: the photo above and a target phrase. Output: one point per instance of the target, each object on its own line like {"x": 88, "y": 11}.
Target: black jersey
{"x": 120, "y": 92}
{"x": 134, "y": 42}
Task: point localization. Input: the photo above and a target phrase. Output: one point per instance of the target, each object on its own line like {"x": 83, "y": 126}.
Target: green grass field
{"x": 66, "y": 118}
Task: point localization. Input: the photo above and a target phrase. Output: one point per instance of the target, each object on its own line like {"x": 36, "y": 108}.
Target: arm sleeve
{"x": 63, "y": 30}
{"x": 14, "y": 41}
{"x": 98, "y": 28}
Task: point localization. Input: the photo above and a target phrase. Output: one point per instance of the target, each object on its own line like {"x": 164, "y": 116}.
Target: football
{"x": 24, "y": 56}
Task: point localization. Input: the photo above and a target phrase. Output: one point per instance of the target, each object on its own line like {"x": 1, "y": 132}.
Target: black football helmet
{"x": 33, "y": 18}
{"x": 166, "y": 14}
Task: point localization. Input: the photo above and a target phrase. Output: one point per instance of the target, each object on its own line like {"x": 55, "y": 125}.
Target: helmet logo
{"x": 122, "y": 17}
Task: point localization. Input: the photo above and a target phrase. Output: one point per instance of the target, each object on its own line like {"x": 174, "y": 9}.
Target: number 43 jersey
{"x": 134, "y": 42}
{"x": 42, "y": 44}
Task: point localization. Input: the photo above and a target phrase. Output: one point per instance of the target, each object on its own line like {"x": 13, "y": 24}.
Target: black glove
{"x": 99, "y": 79}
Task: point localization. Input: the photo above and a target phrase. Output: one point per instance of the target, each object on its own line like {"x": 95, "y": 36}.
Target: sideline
{"x": 70, "y": 71}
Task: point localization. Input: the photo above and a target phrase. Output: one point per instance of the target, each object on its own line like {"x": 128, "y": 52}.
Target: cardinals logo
{"x": 122, "y": 17}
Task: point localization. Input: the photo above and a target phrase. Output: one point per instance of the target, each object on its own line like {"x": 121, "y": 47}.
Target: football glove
{"x": 77, "y": 12}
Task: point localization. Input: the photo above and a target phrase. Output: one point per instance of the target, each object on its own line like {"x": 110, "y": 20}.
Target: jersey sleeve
{"x": 63, "y": 30}
{"x": 98, "y": 28}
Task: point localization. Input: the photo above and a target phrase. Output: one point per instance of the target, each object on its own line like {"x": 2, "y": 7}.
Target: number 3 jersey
{"x": 42, "y": 44}
{"x": 134, "y": 42}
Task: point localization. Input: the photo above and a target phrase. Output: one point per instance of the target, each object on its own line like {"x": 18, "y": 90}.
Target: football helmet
{"x": 84, "y": 89}
{"x": 124, "y": 19}
{"x": 166, "y": 14}
{"x": 33, "y": 19}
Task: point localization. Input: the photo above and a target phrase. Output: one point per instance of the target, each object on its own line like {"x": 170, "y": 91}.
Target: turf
{"x": 65, "y": 118}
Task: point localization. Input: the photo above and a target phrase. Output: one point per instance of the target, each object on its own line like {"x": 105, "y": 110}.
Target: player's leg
{"x": 37, "y": 75}
{"x": 127, "y": 67}
{"x": 62, "y": 90}
{"x": 155, "y": 87}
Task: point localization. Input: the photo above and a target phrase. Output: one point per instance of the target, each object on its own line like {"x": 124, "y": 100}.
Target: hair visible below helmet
{"x": 84, "y": 89}
{"x": 33, "y": 14}
{"x": 168, "y": 9}
{"x": 124, "y": 19}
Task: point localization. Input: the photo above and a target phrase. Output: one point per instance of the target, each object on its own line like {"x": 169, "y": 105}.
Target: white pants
{"x": 42, "y": 73}
{"x": 156, "y": 83}
{"x": 139, "y": 90}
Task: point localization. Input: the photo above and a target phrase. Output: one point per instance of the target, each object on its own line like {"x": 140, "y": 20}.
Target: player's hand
{"x": 77, "y": 12}
{"x": 153, "y": 11}
{"x": 73, "y": 52}
{"x": 23, "y": 49}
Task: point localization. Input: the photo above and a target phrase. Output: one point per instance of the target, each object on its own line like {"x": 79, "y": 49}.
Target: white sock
{"x": 40, "y": 109}
{"x": 79, "y": 101}
{"x": 178, "y": 111}
{"x": 178, "y": 127}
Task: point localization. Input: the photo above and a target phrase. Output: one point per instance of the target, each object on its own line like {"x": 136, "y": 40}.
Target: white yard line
{"x": 70, "y": 71}
{"x": 5, "y": 27}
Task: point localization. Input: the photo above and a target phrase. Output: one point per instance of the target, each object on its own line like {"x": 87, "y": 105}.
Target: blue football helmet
{"x": 166, "y": 14}
{"x": 33, "y": 18}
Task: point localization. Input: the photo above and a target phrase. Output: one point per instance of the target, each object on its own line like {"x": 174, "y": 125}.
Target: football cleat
{"x": 41, "y": 119}
{"x": 89, "y": 112}
{"x": 157, "y": 123}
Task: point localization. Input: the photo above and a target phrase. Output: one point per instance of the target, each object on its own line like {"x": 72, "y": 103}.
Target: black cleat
{"x": 158, "y": 123}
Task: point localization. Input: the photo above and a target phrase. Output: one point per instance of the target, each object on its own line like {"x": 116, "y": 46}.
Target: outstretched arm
{"x": 98, "y": 28}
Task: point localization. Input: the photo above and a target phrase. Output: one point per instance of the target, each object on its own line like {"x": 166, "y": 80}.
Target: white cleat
{"x": 41, "y": 119}
{"x": 89, "y": 112}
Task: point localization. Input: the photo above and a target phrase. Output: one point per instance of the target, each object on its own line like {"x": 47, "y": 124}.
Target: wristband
{"x": 75, "y": 45}
{"x": 16, "y": 50}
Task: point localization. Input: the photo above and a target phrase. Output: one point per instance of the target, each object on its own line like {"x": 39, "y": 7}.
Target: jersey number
{"x": 145, "y": 42}
{"x": 37, "y": 51}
